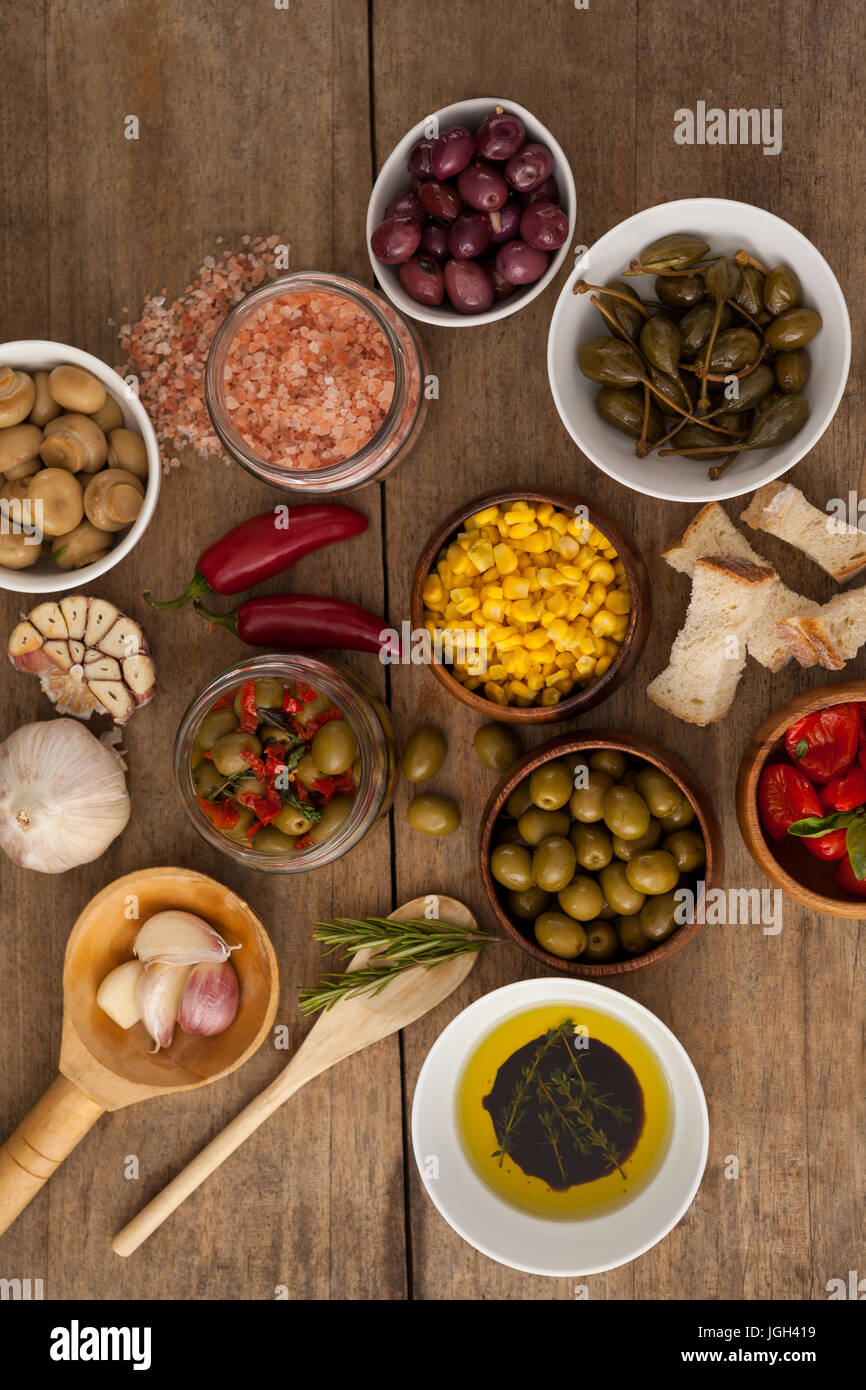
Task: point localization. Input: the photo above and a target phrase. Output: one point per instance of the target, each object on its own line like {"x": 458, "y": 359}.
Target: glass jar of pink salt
{"x": 315, "y": 383}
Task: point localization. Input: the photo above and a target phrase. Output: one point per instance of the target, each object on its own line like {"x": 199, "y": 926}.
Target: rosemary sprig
{"x": 396, "y": 946}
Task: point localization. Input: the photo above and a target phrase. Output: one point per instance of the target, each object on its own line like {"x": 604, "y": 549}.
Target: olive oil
{"x": 564, "y": 1111}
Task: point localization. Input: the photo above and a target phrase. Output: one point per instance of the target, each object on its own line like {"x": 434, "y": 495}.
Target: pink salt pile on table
{"x": 167, "y": 348}
{"x": 309, "y": 379}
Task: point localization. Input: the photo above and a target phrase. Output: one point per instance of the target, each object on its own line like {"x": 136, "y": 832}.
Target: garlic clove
{"x": 49, "y": 619}
{"x": 115, "y": 697}
{"x": 25, "y": 645}
{"x": 101, "y": 618}
{"x": 59, "y": 654}
{"x": 179, "y": 938}
{"x": 158, "y": 995}
{"x": 78, "y": 651}
{"x": 139, "y": 672}
{"x": 118, "y": 994}
{"x": 101, "y": 668}
{"x": 210, "y": 999}
{"x": 125, "y": 638}
{"x": 74, "y": 610}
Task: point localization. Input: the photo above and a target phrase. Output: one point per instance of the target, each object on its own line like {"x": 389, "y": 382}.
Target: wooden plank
{"x": 244, "y": 117}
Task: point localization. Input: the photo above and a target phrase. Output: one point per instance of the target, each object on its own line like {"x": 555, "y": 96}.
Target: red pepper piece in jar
{"x": 306, "y": 622}
{"x": 325, "y": 788}
{"x": 266, "y": 545}
{"x": 845, "y": 793}
{"x": 848, "y": 880}
{"x": 249, "y": 716}
{"x": 223, "y": 814}
{"x": 264, "y": 808}
{"x": 785, "y": 795}
{"x": 257, "y": 767}
{"x": 824, "y": 744}
{"x": 304, "y": 842}
{"x": 830, "y": 846}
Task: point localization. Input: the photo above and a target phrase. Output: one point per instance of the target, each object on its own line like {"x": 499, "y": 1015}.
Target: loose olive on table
{"x": 433, "y": 815}
{"x": 423, "y": 754}
{"x": 497, "y": 746}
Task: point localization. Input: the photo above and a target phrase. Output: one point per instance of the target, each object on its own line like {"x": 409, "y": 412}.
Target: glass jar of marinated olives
{"x": 285, "y": 762}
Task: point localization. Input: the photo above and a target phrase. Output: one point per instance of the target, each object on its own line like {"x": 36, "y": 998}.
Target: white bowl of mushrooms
{"x": 79, "y": 467}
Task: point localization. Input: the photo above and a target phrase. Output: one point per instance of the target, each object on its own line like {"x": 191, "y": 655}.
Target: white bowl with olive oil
{"x": 560, "y": 1127}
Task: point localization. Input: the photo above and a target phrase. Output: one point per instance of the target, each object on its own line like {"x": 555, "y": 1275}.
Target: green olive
{"x": 654, "y": 872}
{"x": 687, "y": 849}
{"x": 269, "y": 695}
{"x": 626, "y": 814}
{"x": 627, "y": 849}
{"x": 205, "y": 778}
{"x": 335, "y": 748}
{"x": 657, "y": 917}
{"x": 587, "y": 803}
{"x": 678, "y": 819}
{"x": 618, "y": 892}
{"x": 423, "y": 754}
{"x": 227, "y": 752}
{"x": 238, "y": 831}
{"x": 560, "y": 935}
{"x": 216, "y": 723}
{"x": 433, "y": 815}
{"x": 318, "y": 705}
{"x": 511, "y": 865}
{"x": 536, "y": 825}
{"x": 520, "y": 800}
{"x": 196, "y": 756}
{"x": 528, "y": 903}
{"x": 629, "y": 779}
{"x": 609, "y": 760}
{"x": 631, "y": 937}
{"x": 269, "y": 840}
{"x": 582, "y": 898}
{"x": 306, "y": 772}
{"x": 249, "y": 785}
{"x": 291, "y": 822}
{"x": 658, "y": 791}
{"x": 551, "y": 785}
{"x": 333, "y": 816}
{"x": 553, "y": 864}
{"x": 606, "y": 912}
{"x": 574, "y": 762}
{"x": 593, "y": 846}
{"x": 601, "y": 941}
{"x": 497, "y": 746}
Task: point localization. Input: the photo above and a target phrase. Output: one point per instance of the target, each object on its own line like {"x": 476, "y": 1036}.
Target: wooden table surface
{"x": 259, "y": 119}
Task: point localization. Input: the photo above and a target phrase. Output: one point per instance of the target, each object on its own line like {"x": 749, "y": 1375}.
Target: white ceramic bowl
{"x": 33, "y": 355}
{"x": 727, "y": 226}
{"x": 555, "y": 1246}
{"x": 394, "y": 179}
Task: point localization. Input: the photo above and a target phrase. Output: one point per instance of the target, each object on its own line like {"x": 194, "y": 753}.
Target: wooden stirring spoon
{"x": 348, "y": 1027}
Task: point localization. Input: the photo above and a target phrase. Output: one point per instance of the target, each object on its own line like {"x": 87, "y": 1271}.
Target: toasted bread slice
{"x": 833, "y": 637}
{"x": 729, "y": 595}
{"x": 782, "y": 510}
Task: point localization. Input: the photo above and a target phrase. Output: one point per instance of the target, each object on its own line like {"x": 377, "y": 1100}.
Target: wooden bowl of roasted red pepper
{"x": 801, "y": 798}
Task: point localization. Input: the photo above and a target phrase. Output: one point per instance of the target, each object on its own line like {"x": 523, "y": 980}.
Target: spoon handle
{"x": 58, "y": 1121}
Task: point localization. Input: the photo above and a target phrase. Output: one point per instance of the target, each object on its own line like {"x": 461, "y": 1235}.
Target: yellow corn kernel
{"x": 620, "y": 630}
{"x": 598, "y": 594}
{"x": 590, "y": 607}
{"x": 601, "y": 572}
{"x": 547, "y": 619}
{"x": 493, "y": 610}
{"x": 602, "y": 665}
{"x": 585, "y": 666}
{"x": 611, "y": 647}
{"x": 556, "y": 603}
{"x": 468, "y": 605}
{"x": 497, "y": 633}
{"x": 608, "y": 552}
{"x": 485, "y": 517}
{"x": 557, "y": 522}
{"x": 496, "y": 672}
{"x": 433, "y": 592}
{"x": 536, "y": 638}
{"x": 480, "y": 553}
{"x": 509, "y": 643}
{"x": 515, "y": 586}
{"x": 473, "y": 682}
{"x": 550, "y": 697}
{"x": 535, "y": 683}
{"x": 560, "y": 680}
{"x": 567, "y": 547}
{"x": 564, "y": 660}
{"x": 522, "y": 530}
{"x": 536, "y": 543}
{"x": 491, "y": 589}
{"x": 544, "y": 655}
{"x": 519, "y": 691}
{"x": 578, "y": 528}
{"x": 543, "y": 513}
{"x": 496, "y": 693}
{"x": 558, "y": 632}
{"x": 618, "y": 602}
{"x": 523, "y": 611}
{"x": 551, "y": 579}
{"x": 598, "y": 538}
{"x": 505, "y": 559}
{"x": 604, "y": 623}
{"x": 586, "y": 556}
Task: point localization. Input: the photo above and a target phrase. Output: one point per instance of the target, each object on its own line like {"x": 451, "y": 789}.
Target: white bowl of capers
{"x": 79, "y": 467}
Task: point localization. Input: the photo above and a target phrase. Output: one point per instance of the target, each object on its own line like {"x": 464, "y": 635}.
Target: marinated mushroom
{"x": 59, "y": 498}
{"x": 15, "y": 490}
{"x": 18, "y": 444}
{"x": 45, "y": 407}
{"x": 127, "y": 450}
{"x": 76, "y": 389}
{"x": 75, "y": 443}
{"x": 108, "y": 417}
{"x": 16, "y": 396}
{"x": 83, "y": 546}
{"x": 113, "y": 499}
{"x": 22, "y": 470}
{"x": 18, "y": 551}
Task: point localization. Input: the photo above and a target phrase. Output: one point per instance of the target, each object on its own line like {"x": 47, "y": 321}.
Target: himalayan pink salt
{"x": 309, "y": 379}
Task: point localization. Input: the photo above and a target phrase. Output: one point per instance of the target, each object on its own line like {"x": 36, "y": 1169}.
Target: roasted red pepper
{"x": 224, "y": 814}
{"x": 845, "y": 793}
{"x": 257, "y": 767}
{"x": 824, "y": 744}
{"x": 785, "y": 795}
{"x": 249, "y": 716}
{"x": 266, "y": 545}
{"x": 305, "y": 622}
{"x": 829, "y": 846}
{"x": 265, "y": 808}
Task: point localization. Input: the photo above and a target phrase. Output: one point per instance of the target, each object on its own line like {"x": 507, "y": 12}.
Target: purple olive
{"x": 520, "y": 264}
{"x": 420, "y": 163}
{"x": 508, "y": 217}
{"x": 422, "y": 278}
{"x": 501, "y": 288}
{"x": 405, "y": 205}
{"x": 499, "y": 136}
{"x": 529, "y": 167}
{"x": 469, "y": 235}
{"x": 543, "y": 226}
{"x": 451, "y": 152}
{"x": 482, "y": 186}
{"x": 439, "y": 199}
{"x": 468, "y": 286}
{"x": 546, "y": 192}
{"x": 396, "y": 239}
{"x": 434, "y": 241}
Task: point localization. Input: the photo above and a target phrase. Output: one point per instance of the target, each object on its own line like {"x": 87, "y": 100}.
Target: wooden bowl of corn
{"x": 536, "y": 603}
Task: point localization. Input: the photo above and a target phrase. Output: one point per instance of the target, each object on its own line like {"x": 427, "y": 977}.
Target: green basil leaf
{"x": 855, "y": 844}
{"x": 811, "y": 827}
{"x": 801, "y": 749}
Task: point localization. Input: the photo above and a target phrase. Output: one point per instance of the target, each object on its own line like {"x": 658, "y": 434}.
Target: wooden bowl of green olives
{"x": 596, "y": 850}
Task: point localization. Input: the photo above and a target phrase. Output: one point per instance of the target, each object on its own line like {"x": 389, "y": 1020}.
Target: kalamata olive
{"x": 543, "y": 226}
{"x": 546, "y": 192}
{"x": 396, "y": 239}
{"x": 520, "y": 264}
{"x": 529, "y": 167}
{"x": 423, "y": 754}
{"x": 439, "y": 199}
{"x": 468, "y": 286}
{"x": 420, "y": 163}
{"x": 482, "y": 186}
{"x": 406, "y": 204}
{"x": 451, "y": 152}
{"x": 509, "y": 222}
{"x": 499, "y": 136}
{"x": 422, "y": 278}
{"x": 469, "y": 235}
{"x": 501, "y": 288}
{"x": 434, "y": 241}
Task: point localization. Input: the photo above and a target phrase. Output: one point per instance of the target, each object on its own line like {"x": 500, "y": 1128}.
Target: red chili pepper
{"x": 785, "y": 795}
{"x": 824, "y": 744}
{"x": 845, "y": 793}
{"x": 224, "y": 814}
{"x": 829, "y": 846}
{"x": 264, "y": 546}
{"x": 249, "y": 715}
{"x": 305, "y": 622}
{"x": 256, "y": 764}
{"x": 848, "y": 880}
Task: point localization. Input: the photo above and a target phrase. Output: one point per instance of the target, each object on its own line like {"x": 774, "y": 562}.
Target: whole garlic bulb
{"x": 63, "y": 796}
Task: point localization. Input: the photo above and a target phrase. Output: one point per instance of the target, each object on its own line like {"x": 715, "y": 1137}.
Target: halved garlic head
{"x": 89, "y": 657}
{"x": 118, "y": 994}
